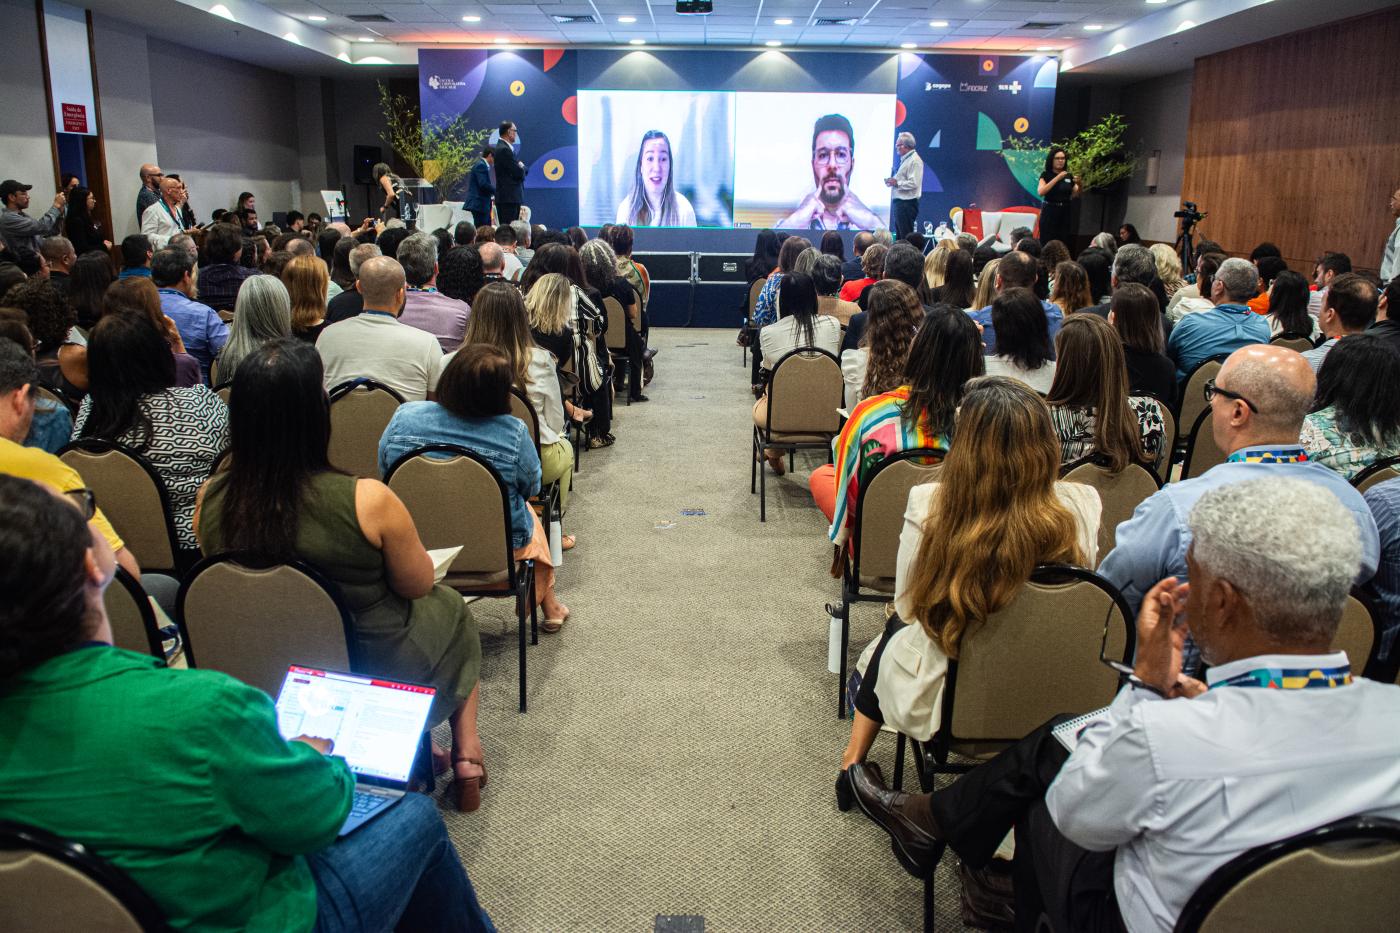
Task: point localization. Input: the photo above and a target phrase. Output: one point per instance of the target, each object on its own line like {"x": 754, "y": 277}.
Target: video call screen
{"x": 735, "y": 159}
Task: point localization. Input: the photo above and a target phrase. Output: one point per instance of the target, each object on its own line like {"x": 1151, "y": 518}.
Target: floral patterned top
{"x": 1074, "y": 426}
{"x": 765, "y": 309}
{"x": 1327, "y": 445}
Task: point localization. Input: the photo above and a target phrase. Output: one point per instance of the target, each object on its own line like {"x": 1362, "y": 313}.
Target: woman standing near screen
{"x": 654, "y": 201}
{"x": 1057, "y": 187}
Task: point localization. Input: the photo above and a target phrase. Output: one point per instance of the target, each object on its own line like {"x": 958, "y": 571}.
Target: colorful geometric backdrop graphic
{"x": 960, "y": 109}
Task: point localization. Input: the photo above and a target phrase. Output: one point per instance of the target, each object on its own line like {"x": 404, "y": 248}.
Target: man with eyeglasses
{"x": 150, "y": 189}
{"x": 1224, "y": 328}
{"x": 1257, "y": 404}
{"x": 19, "y": 377}
{"x": 832, "y": 206}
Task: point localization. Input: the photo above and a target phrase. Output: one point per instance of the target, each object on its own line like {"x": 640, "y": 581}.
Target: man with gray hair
{"x": 1117, "y": 826}
{"x": 523, "y": 252}
{"x": 1257, "y": 404}
{"x": 375, "y": 345}
{"x": 350, "y": 302}
{"x": 1134, "y": 264}
{"x": 908, "y": 186}
{"x": 1226, "y": 327}
{"x": 425, "y": 307}
{"x": 883, "y": 237}
{"x": 493, "y": 262}
{"x": 58, "y": 252}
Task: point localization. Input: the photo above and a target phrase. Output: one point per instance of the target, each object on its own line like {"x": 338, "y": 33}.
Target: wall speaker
{"x": 365, "y": 159}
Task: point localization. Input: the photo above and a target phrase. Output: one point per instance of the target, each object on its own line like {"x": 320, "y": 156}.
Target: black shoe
{"x": 916, "y": 843}
{"x": 640, "y": 398}
{"x": 650, "y": 354}
{"x": 844, "y": 800}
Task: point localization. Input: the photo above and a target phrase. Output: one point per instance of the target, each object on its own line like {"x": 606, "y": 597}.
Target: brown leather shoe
{"x": 914, "y": 837}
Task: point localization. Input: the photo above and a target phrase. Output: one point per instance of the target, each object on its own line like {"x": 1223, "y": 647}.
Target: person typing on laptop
{"x": 180, "y": 777}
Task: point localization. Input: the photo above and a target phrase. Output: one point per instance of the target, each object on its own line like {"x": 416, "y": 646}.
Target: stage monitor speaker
{"x": 666, "y": 267}
{"x": 365, "y": 159}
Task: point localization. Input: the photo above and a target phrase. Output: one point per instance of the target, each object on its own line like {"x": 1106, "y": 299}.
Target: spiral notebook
{"x": 1068, "y": 732}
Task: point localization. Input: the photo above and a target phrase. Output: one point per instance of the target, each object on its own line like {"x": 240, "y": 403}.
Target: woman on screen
{"x": 654, "y": 201}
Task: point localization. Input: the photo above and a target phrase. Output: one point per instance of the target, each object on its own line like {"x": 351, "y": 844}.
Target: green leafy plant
{"x": 1097, "y": 154}
{"x": 440, "y": 150}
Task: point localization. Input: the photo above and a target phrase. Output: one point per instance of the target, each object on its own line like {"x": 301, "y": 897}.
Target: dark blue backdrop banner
{"x": 960, "y": 109}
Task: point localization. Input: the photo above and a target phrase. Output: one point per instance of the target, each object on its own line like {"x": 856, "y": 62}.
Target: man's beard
{"x": 826, "y": 196}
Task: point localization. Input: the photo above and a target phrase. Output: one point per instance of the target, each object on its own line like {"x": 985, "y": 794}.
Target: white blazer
{"x": 159, "y": 226}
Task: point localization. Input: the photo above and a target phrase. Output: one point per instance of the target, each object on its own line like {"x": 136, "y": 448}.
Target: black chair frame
{"x": 142, "y": 907}
{"x": 1227, "y": 876}
{"x": 548, "y": 496}
{"x": 1292, "y": 335}
{"x": 183, "y": 557}
{"x": 850, "y": 567}
{"x": 1181, "y": 441}
{"x": 1202, "y": 424}
{"x": 1374, "y": 668}
{"x": 520, "y": 581}
{"x": 1098, "y": 459}
{"x": 763, "y": 437}
{"x": 148, "y": 615}
{"x": 1379, "y": 466}
{"x": 345, "y": 388}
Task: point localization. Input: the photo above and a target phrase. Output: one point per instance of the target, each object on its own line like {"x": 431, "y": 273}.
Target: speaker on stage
{"x": 365, "y": 159}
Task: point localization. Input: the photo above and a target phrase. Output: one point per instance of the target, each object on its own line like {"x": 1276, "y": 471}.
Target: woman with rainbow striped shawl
{"x": 947, "y": 352}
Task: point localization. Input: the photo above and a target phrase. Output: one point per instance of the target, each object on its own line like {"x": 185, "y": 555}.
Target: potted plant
{"x": 440, "y": 151}
{"x": 1097, "y": 155}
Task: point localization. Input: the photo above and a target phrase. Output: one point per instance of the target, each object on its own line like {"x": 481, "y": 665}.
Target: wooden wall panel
{"x": 1297, "y": 140}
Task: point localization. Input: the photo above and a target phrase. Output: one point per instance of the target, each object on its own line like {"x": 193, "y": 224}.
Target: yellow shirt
{"x": 43, "y": 467}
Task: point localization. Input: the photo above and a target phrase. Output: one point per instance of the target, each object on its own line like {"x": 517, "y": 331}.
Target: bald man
{"x": 150, "y": 189}
{"x": 165, "y": 218}
{"x": 375, "y": 345}
{"x": 1257, "y": 406}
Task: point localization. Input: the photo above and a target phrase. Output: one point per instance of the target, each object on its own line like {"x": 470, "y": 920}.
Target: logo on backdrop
{"x": 974, "y": 88}
{"x": 443, "y": 83}
{"x": 933, "y": 86}
{"x": 1014, "y": 87}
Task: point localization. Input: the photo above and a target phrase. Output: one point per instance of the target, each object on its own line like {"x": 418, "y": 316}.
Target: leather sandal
{"x": 466, "y": 791}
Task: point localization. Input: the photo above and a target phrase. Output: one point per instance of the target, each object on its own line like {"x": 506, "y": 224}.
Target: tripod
{"x": 1185, "y": 247}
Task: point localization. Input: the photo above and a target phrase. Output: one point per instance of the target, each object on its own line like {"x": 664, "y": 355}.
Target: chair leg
{"x": 753, "y": 464}
{"x": 520, "y": 617}
{"x": 762, "y": 486}
{"x": 930, "y": 911}
{"x": 845, "y": 642}
{"x": 899, "y": 762}
{"x": 792, "y": 459}
{"x": 534, "y": 611}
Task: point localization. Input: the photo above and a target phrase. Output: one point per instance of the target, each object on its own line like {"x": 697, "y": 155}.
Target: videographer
{"x": 1057, "y": 187}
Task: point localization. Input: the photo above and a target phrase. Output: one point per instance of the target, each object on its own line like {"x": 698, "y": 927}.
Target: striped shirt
{"x": 875, "y": 430}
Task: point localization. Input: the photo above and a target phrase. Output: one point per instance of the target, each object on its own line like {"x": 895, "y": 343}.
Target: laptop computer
{"x": 375, "y": 725}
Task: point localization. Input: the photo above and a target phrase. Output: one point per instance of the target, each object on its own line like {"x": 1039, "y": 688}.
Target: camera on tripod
{"x": 1189, "y": 213}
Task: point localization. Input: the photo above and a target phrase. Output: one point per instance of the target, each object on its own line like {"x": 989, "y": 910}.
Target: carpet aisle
{"x": 681, "y": 742}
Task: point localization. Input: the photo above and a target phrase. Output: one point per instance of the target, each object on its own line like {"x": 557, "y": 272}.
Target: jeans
{"x": 398, "y": 870}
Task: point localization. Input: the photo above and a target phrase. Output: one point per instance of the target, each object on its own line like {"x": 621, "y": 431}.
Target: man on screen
{"x": 832, "y": 206}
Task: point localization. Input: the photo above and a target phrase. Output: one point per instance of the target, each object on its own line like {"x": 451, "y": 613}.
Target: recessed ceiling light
{"x": 1120, "y": 47}
{"x": 317, "y": 19}
{"x": 471, "y": 19}
{"x": 1156, "y": 1}
{"x": 291, "y": 37}
{"x": 366, "y": 39}
{"x": 219, "y": 9}
{"x": 1185, "y": 25}
{"x": 636, "y": 42}
{"x": 772, "y": 43}
{"x": 906, "y": 45}
{"x": 627, "y": 19}
{"x": 939, "y": 24}
{"x": 782, "y": 22}
{"x": 1093, "y": 27}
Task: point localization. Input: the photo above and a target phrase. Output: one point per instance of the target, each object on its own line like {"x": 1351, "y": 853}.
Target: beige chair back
{"x": 1119, "y": 494}
{"x": 521, "y": 408}
{"x": 214, "y": 371}
{"x": 45, "y": 392}
{"x": 1202, "y": 452}
{"x": 224, "y": 392}
{"x": 883, "y": 500}
{"x": 1379, "y": 472}
{"x": 803, "y": 394}
{"x": 1193, "y": 397}
{"x": 252, "y": 623}
{"x": 225, "y": 315}
{"x": 132, "y": 497}
{"x": 1347, "y": 885}
{"x": 1356, "y": 634}
{"x": 130, "y": 614}
{"x": 458, "y": 500}
{"x": 42, "y": 894}
{"x": 1300, "y": 344}
{"x": 754, "y": 291}
{"x": 616, "y": 337}
{"x": 358, "y": 419}
{"x": 1037, "y": 657}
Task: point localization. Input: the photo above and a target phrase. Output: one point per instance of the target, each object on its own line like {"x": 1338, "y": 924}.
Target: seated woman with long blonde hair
{"x": 969, "y": 543}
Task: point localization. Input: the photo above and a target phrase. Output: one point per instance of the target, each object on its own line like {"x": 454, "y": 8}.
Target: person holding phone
{"x": 654, "y": 200}
{"x": 20, "y": 231}
{"x": 1057, "y": 188}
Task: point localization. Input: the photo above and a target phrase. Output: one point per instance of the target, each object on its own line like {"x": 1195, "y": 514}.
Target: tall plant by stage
{"x": 1098, "y": 155}
{"x": 440, "y": 150}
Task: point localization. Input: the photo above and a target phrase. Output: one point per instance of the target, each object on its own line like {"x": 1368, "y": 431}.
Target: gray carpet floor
{"x": 681, "y": 743}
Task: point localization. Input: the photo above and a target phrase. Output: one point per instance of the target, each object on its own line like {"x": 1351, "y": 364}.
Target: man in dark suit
{"x": 480, "y": 188}
{"x": 510, "y": 176}
{"x": 850, "y": 269}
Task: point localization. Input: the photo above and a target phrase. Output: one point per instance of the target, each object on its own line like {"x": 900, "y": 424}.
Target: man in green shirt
{"x": 179, "y": 777}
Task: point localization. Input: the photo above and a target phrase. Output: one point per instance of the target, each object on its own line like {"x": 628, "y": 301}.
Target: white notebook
{"x": 1068, "y": 732}
{"x": 442, "y": 559}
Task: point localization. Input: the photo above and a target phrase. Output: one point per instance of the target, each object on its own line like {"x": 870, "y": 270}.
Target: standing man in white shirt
{"x": 908, "y": 185}
{"x": 1390, "y": 256}
{"x": 375, "y": 344}
{"x": 165, "y": 218}
{"x": 1178, "y": 776}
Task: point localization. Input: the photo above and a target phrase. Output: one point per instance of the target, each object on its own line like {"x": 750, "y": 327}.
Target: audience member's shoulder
{"x": 1384, "y": 497}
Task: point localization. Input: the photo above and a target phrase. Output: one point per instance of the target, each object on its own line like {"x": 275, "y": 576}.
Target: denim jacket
{"x": 503, "y": 440}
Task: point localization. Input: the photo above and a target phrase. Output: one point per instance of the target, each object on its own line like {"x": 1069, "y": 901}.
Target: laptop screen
{"x": 375, "y": 723}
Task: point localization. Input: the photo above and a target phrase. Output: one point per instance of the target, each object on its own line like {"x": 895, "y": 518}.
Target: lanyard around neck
{"x": 1290, "y": 678}
{"x": 1268, "y": 455}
